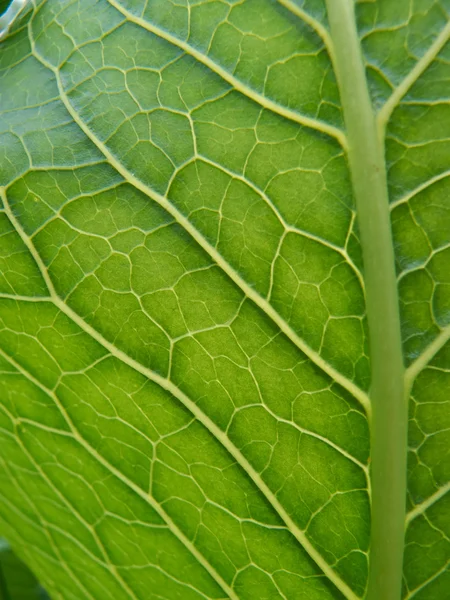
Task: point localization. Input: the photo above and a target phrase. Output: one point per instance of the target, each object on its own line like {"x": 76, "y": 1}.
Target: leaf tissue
{"x": 225, "y": 298}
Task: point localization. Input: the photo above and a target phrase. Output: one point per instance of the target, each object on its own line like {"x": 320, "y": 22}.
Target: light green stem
{"x": 389, "y": 407}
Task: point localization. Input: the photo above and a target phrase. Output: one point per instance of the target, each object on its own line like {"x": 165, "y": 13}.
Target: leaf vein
{"x": 351, "y": 387}
{"x": 421, "y": 66}
{"x": 195, "y": 410}
{"x": 146, "y": 497}
{"x": 426, "y": 504}
{"x": 257, "y": 97}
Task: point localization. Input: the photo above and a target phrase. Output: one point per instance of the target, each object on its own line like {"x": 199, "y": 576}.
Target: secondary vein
{"x": 425, "y": 505}
{"x": 427, "y": 355}
{"x": 261, "y": 302}
{"x": 192, "y": 407}
{"x": 257, "y": 97}
{"x": 147, "y": 497}
{"x": 421, "y": 66}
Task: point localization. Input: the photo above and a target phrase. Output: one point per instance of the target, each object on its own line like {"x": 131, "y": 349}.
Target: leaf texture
{"x": 184, "y": 362}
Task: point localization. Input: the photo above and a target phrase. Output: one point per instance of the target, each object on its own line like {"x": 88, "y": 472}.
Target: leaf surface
{"x": 184, "y": 356}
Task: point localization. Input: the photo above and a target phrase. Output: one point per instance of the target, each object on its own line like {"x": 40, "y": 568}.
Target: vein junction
{"x": 188, "y": 246}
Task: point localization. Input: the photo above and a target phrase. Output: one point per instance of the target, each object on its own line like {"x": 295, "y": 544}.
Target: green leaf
{"x": 202, "y": 388}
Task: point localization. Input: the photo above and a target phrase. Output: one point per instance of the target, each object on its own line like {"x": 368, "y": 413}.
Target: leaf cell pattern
{"x": 184, "y": 364}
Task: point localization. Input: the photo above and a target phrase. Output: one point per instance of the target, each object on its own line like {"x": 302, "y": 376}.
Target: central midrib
{"x": 388, "y": 397}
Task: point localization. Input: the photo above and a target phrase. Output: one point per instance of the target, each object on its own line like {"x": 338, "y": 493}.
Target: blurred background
{"x": 16, "y": 580}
